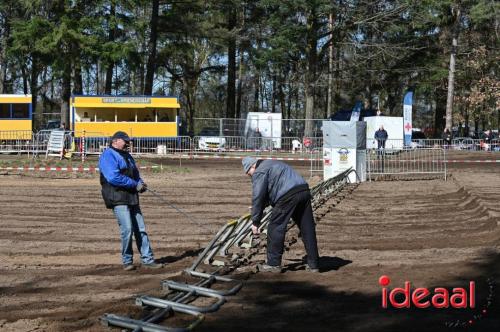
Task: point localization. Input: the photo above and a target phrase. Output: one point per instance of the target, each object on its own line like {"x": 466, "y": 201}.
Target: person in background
{"x": 121, "y": 185}
{"x": 277, "y": 184}
{"x": 256, "y": 139}
{"x": 381, "y": 137}
{"x": 447, "y": 137}
{"x": 488, "y": 137}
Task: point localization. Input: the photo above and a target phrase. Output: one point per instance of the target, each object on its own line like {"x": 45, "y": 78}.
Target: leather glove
{"x": 141, "y": 187}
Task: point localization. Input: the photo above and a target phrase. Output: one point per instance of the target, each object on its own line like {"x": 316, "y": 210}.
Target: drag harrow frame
{"x": 216, "y": 256}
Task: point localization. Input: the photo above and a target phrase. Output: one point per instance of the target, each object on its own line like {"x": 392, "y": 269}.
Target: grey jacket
{"x": 271, "y": 181}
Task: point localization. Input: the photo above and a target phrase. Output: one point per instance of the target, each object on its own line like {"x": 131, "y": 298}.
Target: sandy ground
{"x": 60, "y": 265}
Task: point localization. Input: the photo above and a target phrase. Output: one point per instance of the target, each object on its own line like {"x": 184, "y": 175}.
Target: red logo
{"x": 424, "y": 298}
{"x": 408, "y": 126}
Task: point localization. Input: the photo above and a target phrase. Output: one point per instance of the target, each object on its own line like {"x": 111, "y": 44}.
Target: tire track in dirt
{"x": 60, "y": 265}
{"x": 431, "y": 232}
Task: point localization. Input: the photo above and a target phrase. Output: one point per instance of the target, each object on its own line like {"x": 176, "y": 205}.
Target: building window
{"x": 21, "y": 111}
{"x": 4, "y": 111}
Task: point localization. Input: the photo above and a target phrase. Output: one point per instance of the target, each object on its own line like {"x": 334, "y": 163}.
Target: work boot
{"x": 129, "y": 267}
{"x": 269, "y": 268}
{"x": 152, "y": 265}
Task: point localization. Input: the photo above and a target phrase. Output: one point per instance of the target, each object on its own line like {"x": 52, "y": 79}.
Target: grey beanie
{"x": 247, "y": 163}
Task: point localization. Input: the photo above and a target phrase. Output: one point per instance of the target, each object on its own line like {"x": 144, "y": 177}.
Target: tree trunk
{"x": 109, "y": 79}
{"x": 3, "y": 56}
{"x": 466, "y": 130}
{"x": 290, "y": 101}
{"x": 172, "y": 87}
{"x": 38, "y": 116}
{"x": 338, "y": 81}
{"x": 111, "y": 38}
{"x": 370, "y": 37}
{"x": 256, "y": 93}
{"x": 297, "y": 103}
{"x": 240, "y": 86}
{"x": 329, "y": 96}
{"x": 309, "y": 92}
{"x": 139, "y": 80}
{"x": 440, "y": 113}
{"x": 151, "y": 65}
{"x": 78, "y": 88}
{"x": 25, "y": 79}
{"x": 231, "y": 67}
{"x": 263, "y": 95}
{"x": 281, "y": 96}
{"x": 189, "y": 87}
{"x": 65, "y": 95}
{"x": 451, "y": 72}
{"x": 391, "y": 103}
{"x": 310, "y": 77}
{"x": 97, "y": 78}
{"x": 273, "y": 95}
{"x": 498, "y": 121}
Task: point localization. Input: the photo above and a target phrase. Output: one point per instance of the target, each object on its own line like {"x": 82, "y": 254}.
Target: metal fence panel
{"x": 227, "y": 145}
{"x": 15, "y": 141}
{"x": 406, "y": 162}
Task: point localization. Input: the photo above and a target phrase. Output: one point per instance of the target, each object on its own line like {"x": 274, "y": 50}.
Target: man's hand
{"x": 255, "y": 230}
{"x": 141, "y": 187}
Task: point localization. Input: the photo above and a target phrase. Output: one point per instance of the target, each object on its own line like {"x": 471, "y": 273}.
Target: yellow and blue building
{"x": 138, "y": 116}
{"x": 16, "y": 117}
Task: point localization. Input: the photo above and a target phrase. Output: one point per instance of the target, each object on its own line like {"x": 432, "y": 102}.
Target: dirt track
{"x": 60, "y": 265}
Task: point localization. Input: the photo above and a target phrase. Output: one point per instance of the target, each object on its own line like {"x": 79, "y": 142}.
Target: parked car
{"x": 53, "y": 124}
{"x": 209, "y": 139}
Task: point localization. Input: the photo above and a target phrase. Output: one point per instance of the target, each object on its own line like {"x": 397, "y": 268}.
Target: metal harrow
{"x": 232, "y": 246}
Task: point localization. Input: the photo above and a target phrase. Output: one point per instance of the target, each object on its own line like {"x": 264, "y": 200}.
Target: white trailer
{"x": 392, "y": 124}
{"x": 269, "y": 125}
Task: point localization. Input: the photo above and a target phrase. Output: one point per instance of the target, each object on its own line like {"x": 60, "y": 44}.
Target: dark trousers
{"x": 298, "y": 207}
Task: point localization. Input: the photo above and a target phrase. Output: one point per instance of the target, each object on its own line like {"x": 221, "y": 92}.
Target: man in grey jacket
{"x": 277, "y": 184}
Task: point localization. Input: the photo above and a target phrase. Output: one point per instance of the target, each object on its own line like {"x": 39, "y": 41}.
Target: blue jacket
{"x": 271, "y": 181}
{"x": 119, "y": 178}
{"x": 113, "y": 166}
{"x": 381, "y": 135}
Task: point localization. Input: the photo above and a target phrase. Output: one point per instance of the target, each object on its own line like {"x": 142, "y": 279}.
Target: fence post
{"x": 191, "y": 148}
{"x": 444, "y": 162}
{"x": 83, "y": 147}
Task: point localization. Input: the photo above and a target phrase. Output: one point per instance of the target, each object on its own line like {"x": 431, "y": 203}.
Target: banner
{"x": 356, "y": 111}
{"x": 407, "y": 116}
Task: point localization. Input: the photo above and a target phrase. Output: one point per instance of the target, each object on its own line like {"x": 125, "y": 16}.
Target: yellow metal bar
{"x": 232, "y": 222}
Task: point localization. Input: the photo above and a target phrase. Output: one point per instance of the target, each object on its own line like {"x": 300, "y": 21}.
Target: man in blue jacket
{"x": 277, "y": 184}
{"x": 381, "y": 137}
{"x": 121, "y": 185}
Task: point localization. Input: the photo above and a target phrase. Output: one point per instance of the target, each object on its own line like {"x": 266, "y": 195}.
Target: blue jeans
{"x": 131, "y": 222}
